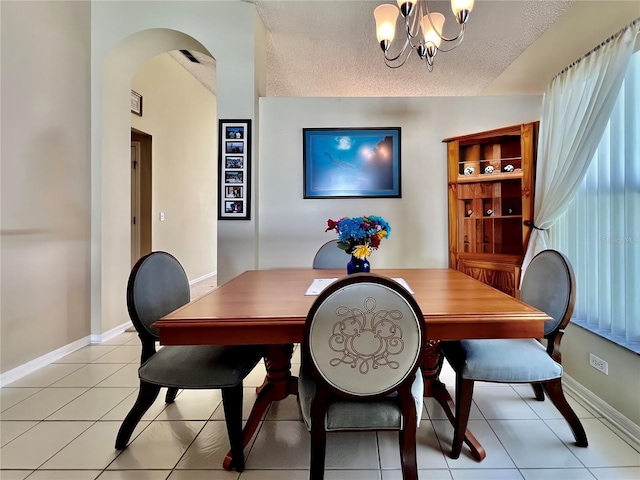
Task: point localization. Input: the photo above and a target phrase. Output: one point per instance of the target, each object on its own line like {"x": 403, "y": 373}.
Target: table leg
{"x": 433, "y": 387}
{"x": 278, "y": 385}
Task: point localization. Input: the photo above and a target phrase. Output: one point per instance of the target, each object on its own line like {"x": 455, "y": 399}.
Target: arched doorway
{"x": 111, "y": 200}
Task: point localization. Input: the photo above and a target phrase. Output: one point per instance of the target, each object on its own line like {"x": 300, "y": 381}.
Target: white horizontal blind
{"x": 600, "y": 232}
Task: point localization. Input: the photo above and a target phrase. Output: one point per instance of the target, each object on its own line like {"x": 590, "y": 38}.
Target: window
{"x": 600, "y": 232}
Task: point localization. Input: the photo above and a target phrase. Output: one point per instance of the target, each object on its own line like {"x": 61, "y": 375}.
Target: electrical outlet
{"x": 598, "y": 364}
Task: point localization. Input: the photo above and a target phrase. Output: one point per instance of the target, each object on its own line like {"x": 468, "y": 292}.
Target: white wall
{"x": 291, "y": 229}
{"x": 45, "y": 177}
{"x": 621, "y": 387}
{"x": 180, "y": 114}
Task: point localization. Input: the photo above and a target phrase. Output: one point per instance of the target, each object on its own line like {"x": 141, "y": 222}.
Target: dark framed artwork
{"x": 351, "y": 162}
{"x": 234, "y": 172}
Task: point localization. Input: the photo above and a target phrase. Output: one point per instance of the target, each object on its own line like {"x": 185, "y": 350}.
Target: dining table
{"x": 269, "y": 307}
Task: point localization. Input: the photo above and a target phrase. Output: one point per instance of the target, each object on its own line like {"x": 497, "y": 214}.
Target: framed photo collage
{"x": 234, "y": 169}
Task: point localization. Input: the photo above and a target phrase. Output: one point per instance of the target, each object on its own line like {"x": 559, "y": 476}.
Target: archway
{"x": 110, "y": 259}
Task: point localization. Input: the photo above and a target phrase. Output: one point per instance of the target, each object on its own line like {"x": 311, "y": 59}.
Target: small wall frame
{"x": 234, "y": 169}
{"x": 136, "y": 103}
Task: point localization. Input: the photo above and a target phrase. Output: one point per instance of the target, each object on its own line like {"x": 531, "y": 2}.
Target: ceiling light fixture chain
{"x": 423, "y": 29}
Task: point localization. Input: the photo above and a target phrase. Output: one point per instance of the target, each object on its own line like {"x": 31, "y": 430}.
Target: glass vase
{"x": 356, "y": 265}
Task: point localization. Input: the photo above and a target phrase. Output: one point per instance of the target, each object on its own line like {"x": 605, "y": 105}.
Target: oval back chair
{"x": 363, "y": 344}
{"x": 330, "y": 256}
{"x": 549, "y": 285}
{"x": 157, "y": 286}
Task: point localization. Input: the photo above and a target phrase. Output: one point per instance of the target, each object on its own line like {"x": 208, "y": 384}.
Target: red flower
{"x": 332, "y": 225}
{"x": 375, "y": 241}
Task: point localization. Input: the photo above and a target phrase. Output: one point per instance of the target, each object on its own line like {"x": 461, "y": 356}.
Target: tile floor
{"x": 61, "y": 423}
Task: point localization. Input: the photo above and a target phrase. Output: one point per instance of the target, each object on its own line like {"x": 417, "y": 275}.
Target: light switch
{"x": 162, "y": 216}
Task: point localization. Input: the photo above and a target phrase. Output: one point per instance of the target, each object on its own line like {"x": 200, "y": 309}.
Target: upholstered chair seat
{"x": 379, "y": 414}
{"x": 217, "y": 366}
{"x": 509, "y": 361}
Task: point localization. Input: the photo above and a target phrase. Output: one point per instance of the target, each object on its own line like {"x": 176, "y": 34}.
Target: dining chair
{"x": 330, "y": 256}
{"x": 157, "y": 286}
{"x": 549, "y": 285}
{"x": 362, "y": 346}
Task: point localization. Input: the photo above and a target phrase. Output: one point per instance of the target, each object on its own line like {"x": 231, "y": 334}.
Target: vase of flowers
{"x": 359, "y": 237}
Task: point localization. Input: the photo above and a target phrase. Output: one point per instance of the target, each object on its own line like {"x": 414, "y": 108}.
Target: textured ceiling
{"x": 328, "y": 48}
{"x": 205, "y": 71}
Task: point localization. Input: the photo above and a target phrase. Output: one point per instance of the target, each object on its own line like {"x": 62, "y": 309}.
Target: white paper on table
{"x": 318, "y": 285}
{"x": 404, "y": 283}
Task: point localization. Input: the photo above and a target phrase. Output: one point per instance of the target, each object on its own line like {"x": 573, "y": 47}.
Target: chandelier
{"x": 424, "y": 29}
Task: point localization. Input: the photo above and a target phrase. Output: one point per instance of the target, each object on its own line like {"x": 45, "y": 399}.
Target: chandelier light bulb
{"x": 386, "y": 16}
{"x": 461, "y": 9}
{"x": 431, "y": 36}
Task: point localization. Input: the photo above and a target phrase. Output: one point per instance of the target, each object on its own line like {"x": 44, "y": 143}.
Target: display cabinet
{"x": 491, "y": 185}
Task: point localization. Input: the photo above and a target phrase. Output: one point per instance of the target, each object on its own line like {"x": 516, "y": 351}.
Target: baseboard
{"x": 620, "y": 424}
{"x": 51, "y": 357}
{"x": 98, "y": 338}
{"x": 204, "y": 277}
{"x": 36, "y": 364}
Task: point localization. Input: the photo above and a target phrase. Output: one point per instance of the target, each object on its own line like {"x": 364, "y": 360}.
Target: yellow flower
{"x": 361, "y": 251}
{"x": 382, "y": 234}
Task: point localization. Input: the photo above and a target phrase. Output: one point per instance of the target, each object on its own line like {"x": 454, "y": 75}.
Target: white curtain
{"x": 575, "y": 111}
{"x": 600, "y": 231}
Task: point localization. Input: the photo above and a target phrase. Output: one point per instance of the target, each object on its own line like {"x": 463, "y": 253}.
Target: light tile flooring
{"x": 61, "y": 423}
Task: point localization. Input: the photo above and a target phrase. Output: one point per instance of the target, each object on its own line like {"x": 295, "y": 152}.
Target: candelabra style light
{"x": 423, "y": 28}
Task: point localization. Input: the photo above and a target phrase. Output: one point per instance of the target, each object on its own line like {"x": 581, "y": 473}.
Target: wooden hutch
{"x": 491, "y": 186}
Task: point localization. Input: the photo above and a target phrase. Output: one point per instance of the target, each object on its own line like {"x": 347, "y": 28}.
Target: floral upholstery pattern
{"x": 367, "y": 338}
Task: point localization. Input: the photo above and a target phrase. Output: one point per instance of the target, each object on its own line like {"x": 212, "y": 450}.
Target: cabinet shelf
{"x": 489, "y": 177}
{"x": 487, "y": 235}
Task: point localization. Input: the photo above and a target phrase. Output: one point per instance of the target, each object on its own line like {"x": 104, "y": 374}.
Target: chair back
{"x": 157, "y": 286}
{"x": 330, "y": 256}
{"x": 364, "y": 337}
{"x": 549, "y": 284}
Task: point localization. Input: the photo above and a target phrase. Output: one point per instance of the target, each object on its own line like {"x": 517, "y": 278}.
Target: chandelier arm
{"x": 403, "y": 50}
{"x": 414, "y": 29}
{"x": 395, "y": 66}
{"x": 388, "y": 61}
{"x": 461, "y": 37}
{"x": 443, "y": 38}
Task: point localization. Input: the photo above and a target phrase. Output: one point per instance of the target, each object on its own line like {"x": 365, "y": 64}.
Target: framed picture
{"x": 136, "y": 103}
{"x": 233, "y": 162}
{"x": 233, "y": 177}
{"x": 233, "y": 192}
{"x": 234, "y": 147}
{"x": 351, "y": 162}
{"x": 234, "y": 173}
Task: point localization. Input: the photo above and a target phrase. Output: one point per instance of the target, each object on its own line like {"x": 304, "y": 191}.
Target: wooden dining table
{"x": 270, "y": 307}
